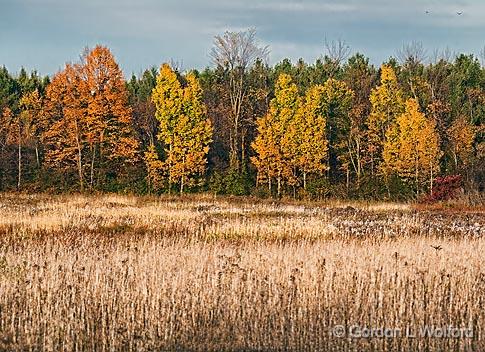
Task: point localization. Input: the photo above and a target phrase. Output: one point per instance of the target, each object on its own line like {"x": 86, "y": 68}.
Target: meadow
{"x": 198, "y": 273}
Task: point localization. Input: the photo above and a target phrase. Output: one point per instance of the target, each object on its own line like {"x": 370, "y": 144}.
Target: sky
{"x": 45, "y": 34}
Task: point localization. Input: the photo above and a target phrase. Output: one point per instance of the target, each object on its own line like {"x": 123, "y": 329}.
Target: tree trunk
{"x": 237, "y": 96}
{"x": 79, "y": 157}
{"x": 37, "y": 155}
{"x": 279, "y": 184}
{"x": 359, "y": 163}
{"x": 93, "y": 156}
{"x": 348, "y": 180}
{"x": 79, "y": 168}
{"x": 387, "y": 186}
{"x": 304, "y": 180}
{"x": 182, "y": 178}
{"x": 372, "y": 164}
{"x": 170, "y": 169}
{"x": 243, "y": 153}
{"x": 416, "y": 177}
{"x": 19, "y": 165}
{"x": 455, "y": 158}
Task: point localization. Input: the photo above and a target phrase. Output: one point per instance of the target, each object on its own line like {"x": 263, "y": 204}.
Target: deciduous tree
{"x": 90, "y": 120}
{"x": 184, "y": 127}
{"x": 274, "y": 144}
{"x": 412, "y": 147}
{"x": 387, "y": 105}
{"x": 31, "y": 110}
{"x": 462, "y": 135}
{"x": 236, "y": 52}
{"x": 311, "y": 137}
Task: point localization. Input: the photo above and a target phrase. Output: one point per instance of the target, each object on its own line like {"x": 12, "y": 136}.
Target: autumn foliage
{"x": 184, "y": 129}
{"x": 89, "y": 118}
{"x": 445, "y": 188}
{"x": 337, "y": 128}
{"x": 412, "y": 147}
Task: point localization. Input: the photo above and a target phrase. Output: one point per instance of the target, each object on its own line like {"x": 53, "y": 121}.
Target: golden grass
{"x": 111, "y": 273}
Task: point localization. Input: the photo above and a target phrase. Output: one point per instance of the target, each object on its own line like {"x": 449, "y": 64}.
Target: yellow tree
{"x": 155, "y": 168}
{"x": 462, "y": 135}
{"x": 184, "y": 127}
{"x": 31, "y": 109}
{"x": 168, "y": 99}
{"x": 412, "y": 148}
{"x": 275, "y": 144}
{"x": 265, "y": 145}
{"x": 386, "y": 105}
{"x": 5, "y": 120}
{"x": 310, "y": 126}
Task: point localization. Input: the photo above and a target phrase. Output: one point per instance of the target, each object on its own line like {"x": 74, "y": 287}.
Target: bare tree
{"x": 176, "y": 65}
{"x": 482, "y": 56}
{"x": 446, "y": 55}
{"x": 337, "y": 50}
{"x": 236, "y": 52}
{"x": 412, "y": 53}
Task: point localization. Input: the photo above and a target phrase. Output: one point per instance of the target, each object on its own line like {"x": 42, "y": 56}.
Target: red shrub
{"x": 444, "y": 188}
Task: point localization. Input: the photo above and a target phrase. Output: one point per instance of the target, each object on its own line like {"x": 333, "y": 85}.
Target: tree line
{"x": 339, "y": 127}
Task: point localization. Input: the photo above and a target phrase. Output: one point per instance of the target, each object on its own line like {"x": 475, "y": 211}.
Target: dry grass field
{"x": 120, "y": 273}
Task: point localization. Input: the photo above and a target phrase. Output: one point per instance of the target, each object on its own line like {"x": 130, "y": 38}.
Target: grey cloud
{"x": 44, "y": 34}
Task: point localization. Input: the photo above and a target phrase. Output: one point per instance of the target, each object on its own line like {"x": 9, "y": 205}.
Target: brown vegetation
{"x": 112, "y": 273}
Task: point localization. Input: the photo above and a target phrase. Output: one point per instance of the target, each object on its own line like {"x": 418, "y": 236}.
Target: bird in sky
{"x": 459, "y": 13}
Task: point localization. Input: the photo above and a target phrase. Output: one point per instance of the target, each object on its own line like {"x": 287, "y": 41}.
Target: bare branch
{"x": 446, "y": 55}
{"x": 482, "y": 56}
{"x": 413, "y": 53}
{"x": 237, "y": 50}
{"x": 176, "y": 65}
{"x": 337, "y": 50}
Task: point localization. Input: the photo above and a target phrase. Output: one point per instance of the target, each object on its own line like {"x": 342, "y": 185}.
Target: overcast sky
{"x": 44, "y": 34}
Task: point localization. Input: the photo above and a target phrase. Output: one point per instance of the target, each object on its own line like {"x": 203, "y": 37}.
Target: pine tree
{"x": 13, "y": 132}
{"x": 338, "y": 103}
